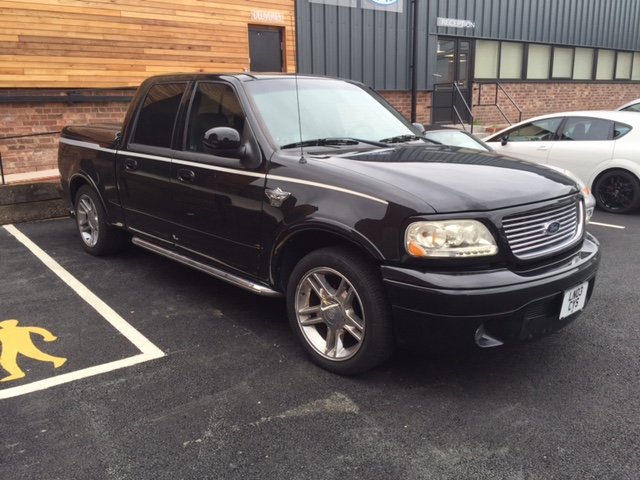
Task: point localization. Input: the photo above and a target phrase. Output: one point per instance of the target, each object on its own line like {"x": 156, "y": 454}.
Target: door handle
{"x": 543, "y": 149}
{"x": 130, "y": 164}
{"x": 185, "y": 175}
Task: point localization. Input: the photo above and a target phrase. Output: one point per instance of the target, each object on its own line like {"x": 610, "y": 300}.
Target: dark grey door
{"x": 453, "y": 68}
{"x": 265, "y": 50}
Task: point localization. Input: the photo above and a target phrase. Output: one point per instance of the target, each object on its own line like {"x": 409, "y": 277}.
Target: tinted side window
{"x": 620, "y": 130}
{"x": 633, "y": 108}
{"x": 583, "y": 128}
{"x": 536, "y": 131}
{"x": 157, "y": 116}
{"x": 213, "y": 105}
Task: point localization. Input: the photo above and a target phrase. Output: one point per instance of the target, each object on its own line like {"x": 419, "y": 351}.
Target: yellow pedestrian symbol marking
{"x": 17, "y": 340}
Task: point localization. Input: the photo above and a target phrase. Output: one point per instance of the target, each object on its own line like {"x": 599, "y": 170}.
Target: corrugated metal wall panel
{"x": 375, "y": 46}
{"x": 366, "y": 45}
{"x": 596, "y": 23}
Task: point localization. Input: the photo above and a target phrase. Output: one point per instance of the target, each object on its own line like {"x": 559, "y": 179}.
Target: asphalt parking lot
{"x": 135, "y": 367}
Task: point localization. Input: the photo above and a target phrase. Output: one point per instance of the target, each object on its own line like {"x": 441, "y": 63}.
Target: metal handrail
{"x": 21, "y": 136}
{"x": 455, "y": 109}
{"x": 498, "y": 88}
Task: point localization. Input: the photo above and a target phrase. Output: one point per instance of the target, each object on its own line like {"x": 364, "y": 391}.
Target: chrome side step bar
{"x": 209, "y": 270}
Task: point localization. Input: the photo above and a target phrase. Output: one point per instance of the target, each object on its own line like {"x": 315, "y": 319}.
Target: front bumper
{"x": 441, "y": 311}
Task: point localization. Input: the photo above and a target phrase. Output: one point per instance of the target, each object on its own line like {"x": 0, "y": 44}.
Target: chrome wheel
{"x": 98, "y": 237}
{"x": 88, "y": 222}
{"x": 330, "y": 314}
{"x": 339, "y": 310}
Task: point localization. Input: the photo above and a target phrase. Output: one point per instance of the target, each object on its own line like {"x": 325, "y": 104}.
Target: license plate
{"x": 574, "y": 300}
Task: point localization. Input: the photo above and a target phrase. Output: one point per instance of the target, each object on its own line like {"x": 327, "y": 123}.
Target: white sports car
{"x": 602, "y": 148}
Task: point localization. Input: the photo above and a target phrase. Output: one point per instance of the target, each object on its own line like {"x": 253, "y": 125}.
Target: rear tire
{"x": 339, "y": 311}
{"x": 617, "y": 191}
{"x": 98, "y": 237}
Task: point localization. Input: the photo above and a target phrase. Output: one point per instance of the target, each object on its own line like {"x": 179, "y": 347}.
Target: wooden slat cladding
{"x": 118, "y": 43}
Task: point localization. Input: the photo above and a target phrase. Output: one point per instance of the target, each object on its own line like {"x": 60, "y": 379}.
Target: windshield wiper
{"x": 333, "y": 141}
{"x": 403, "y": 138}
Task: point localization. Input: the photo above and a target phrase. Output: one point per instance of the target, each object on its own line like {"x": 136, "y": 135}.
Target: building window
{"x": 487, "y": 55}
{"x": 606, "y": 62}
{"x": 538, "y": 62}
{"x": 511, "y": 60}
{"x": 635, "y": 73}
{"x": 501, "y": 60}
{"x": 583, "y": 64}
{"x": 562, "y": 63}
{"x": 444, "y": 65}
{"x": 505, "y": 60}
{"x": 623, "y": 66}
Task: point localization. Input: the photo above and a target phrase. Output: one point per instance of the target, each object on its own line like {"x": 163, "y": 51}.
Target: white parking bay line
{"x": 607, "y": 225}
{"x": 148, "y": 350}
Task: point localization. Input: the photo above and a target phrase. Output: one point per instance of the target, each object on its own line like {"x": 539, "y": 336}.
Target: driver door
{"x": 530, "y": 141}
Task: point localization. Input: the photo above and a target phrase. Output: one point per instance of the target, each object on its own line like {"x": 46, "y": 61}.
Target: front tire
{"x": 98, "y": 237}
{"x": 339, "y": 311}
{"x": 617, "y": 191}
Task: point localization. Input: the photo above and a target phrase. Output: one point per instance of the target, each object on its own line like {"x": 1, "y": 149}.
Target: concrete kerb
{"x": 31, "y": 197}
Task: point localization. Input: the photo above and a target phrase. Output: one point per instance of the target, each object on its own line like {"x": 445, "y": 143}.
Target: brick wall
{"x": 532, "y": 98}
{"x": 542, "y": 98}
{"x": 32, "y": 152}
{"x": 401, "y": 100}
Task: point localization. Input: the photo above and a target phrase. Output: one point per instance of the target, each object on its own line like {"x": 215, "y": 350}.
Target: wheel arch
{"x": 79, "y": 180}
{"x": 627, "y": 166}
{"x": 295, "y": 244}
{"x": 611, "y": 168}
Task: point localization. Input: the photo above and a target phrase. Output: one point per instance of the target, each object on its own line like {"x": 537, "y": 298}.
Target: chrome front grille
{"x": 539, "y": 233}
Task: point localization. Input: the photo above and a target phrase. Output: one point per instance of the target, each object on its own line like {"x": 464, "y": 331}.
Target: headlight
{"x": 450, "y": 238}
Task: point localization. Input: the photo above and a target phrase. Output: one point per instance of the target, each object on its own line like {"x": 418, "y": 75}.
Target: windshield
{"x": 328, "y": 109}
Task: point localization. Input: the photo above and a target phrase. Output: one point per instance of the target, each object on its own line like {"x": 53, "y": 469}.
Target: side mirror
{"x": 223, "y": 141}
{"x": 227, "y": 142}
{"x": 504, "y": 140}
{"x": 419, "y": 127}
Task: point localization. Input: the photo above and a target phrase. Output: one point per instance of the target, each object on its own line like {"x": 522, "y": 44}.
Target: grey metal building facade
{"x": 452, "y": 49}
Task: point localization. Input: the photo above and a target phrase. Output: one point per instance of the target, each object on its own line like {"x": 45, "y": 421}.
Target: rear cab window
{"x": 156, "y": 119}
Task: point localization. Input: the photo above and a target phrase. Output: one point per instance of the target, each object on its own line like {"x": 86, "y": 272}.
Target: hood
{"x": 452, "y": 179}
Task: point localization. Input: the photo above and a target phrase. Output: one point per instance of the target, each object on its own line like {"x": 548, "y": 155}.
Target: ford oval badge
{"x": 552, "y": 228}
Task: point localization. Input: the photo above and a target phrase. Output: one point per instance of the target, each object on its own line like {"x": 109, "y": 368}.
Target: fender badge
{"x": 277, "y": 196}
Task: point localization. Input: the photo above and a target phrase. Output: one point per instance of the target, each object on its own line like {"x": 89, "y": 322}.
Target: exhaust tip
{"x": 484, "y": 340}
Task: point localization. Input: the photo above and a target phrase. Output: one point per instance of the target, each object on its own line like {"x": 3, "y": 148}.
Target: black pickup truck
{"x": 317, "y": 190}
